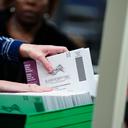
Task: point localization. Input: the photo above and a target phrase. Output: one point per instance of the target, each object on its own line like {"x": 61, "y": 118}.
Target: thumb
{"x": 46, "y": 63}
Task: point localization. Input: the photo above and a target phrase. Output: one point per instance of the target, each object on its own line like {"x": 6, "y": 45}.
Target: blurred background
{"x": 82, "y": 20}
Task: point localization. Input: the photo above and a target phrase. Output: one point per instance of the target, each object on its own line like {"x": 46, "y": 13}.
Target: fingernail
{"x": 50, "y": 70}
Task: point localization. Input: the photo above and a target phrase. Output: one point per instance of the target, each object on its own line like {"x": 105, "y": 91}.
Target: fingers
{"x": 39, "y": 52}
{"x": 47, "y": 65}
{"x": 49, "y": 50}
{"x": 42, "y": 58}
{"x": 36, "y": 88}
{"x": 6, "y": 86}
{"x": 52, "y": 50}
{"x": 28, "y": 50}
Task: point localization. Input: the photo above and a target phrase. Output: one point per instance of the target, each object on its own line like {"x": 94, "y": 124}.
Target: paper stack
{"x": 73, "y": 71}
{"x": 38, "y": 102}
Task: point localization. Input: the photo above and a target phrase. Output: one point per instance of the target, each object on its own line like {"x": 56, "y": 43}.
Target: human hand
{"x": 40, "y": 52}
{"x": 6, "y": 86}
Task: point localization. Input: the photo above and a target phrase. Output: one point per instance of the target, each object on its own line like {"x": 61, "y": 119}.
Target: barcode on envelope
{"x": 80, "y": 68}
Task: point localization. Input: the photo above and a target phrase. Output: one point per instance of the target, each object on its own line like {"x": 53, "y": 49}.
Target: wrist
{"x": 23, "y": 50}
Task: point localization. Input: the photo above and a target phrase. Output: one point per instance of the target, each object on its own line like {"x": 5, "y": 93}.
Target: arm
{"x": 12, "y": 50}
{"x": 6, "y": 86}
{"x": 40, "y": 52}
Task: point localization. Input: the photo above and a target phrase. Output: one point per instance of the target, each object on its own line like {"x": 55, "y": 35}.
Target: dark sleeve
{"x": 53, "y": 36}
{"x": 4, "y": 16}
{"x": 9, "y": 49}
{"x": 66, "y": 41}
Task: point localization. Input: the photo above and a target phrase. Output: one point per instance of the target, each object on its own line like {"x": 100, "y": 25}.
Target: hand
{"x": 6, "y": 86}
{"x": 40, "y": 52}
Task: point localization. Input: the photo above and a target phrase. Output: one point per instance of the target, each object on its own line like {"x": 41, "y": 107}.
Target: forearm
{"x": 7, "y": 86}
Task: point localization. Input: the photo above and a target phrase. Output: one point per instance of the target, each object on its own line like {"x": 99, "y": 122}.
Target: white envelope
{"x": 73, "y": 71}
